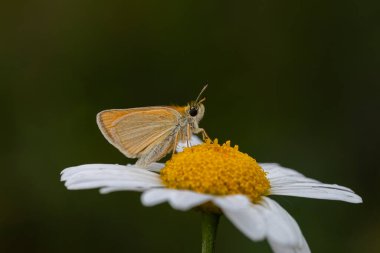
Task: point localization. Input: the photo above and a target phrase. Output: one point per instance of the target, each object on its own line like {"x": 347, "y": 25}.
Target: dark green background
{"x": 294, "y": 82}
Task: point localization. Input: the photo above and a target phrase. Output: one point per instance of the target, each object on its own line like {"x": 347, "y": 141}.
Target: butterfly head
{"x": 195, "y": 110}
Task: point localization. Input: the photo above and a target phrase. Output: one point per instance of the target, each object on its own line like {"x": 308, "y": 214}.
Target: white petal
{"x": 233, "y": 202}
{"x": 178, "y": 199}
{"x": 109, "y": 178}
{"x": 155, "y": 167}
{"x": 194, "y": 141}
{"x": 284, "y": 234}
{"x": 289, "y": 182}
{"x": 279, "y": 175}
{"x": 279, "y": 248}
{"x": 248, "y": 218}
{"x": 266, "y": 219}
{"x": 318, "y": 191}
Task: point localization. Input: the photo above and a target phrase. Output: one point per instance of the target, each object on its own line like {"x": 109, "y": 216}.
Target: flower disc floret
{"x": 216, "y": 169}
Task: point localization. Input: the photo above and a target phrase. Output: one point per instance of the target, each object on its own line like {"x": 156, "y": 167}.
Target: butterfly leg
{"x": 188, "y": 135}
{"x": 175, "y": 143}
{"x": 204, "y": 134}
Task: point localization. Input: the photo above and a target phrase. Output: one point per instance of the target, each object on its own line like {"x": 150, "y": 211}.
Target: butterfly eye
{"x": 193, "y": 112}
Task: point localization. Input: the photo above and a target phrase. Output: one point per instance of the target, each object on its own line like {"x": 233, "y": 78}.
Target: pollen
{"x": 216, "y": 169}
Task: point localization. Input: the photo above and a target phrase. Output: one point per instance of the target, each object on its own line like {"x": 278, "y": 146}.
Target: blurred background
{"x": 293, "y": 82}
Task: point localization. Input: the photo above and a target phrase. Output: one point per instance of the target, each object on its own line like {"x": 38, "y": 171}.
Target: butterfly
{"x": 150, "y": 133}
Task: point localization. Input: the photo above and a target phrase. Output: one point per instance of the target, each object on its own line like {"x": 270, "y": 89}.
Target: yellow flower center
{"x": 215, "y": 169}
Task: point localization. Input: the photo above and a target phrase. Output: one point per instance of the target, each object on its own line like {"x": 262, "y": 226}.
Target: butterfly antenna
{"x": 200, "y": 93}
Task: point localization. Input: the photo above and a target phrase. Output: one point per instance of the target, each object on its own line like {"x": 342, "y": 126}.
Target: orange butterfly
{"x": 149, "y": 133}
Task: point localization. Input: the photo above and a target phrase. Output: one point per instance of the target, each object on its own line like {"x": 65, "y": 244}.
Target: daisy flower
{"x": 217, "y": 179}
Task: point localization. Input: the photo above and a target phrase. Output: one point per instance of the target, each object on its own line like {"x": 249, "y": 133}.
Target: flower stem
{"x": 209, "y": 226}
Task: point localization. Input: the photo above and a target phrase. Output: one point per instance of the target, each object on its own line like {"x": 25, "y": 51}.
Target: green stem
{"x": 209, "y": 226}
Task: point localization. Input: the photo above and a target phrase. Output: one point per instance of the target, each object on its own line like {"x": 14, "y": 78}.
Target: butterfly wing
{"x": 135, "y": 132}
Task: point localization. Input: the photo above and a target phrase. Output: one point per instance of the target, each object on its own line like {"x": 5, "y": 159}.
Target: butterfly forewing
{"x": 136, "y": 137}
{"x": 136, "y": 131}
